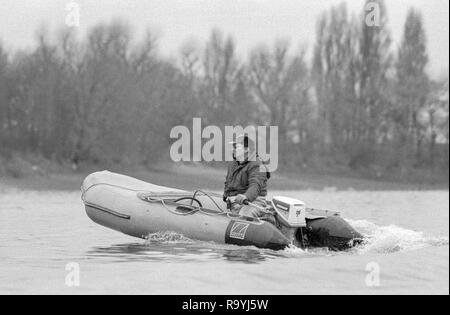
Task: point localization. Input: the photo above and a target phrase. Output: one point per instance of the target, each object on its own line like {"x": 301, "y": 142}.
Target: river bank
{"x": 201, "y": 177}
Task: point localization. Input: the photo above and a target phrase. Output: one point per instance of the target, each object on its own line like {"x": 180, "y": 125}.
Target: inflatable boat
{"x": 138, "y": 209}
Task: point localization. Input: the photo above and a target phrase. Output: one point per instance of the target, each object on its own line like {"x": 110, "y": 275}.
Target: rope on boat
{"x": 83, "y": 192}
{"x": 211, "y": 198}
{"x": 195, "y": 209}
{"x": 161, "y": 200}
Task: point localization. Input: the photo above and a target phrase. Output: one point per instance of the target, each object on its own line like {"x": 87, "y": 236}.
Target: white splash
{"x": 168, "y": 237}
{"x": 294, "y": 251}
{"x": 392, "y": 238}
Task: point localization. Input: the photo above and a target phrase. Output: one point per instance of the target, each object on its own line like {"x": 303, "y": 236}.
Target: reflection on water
{"x": 174, "y": 247}
{"x": 197, "y": 252}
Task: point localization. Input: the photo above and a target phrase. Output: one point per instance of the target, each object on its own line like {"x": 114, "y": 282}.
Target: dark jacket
{"x": 246, "y": 178}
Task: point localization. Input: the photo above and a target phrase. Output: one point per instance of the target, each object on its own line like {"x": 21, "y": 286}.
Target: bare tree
{"x": 274, "y": 77}
{"x": 220, "y": 68}
{"x": 412, "y": 83}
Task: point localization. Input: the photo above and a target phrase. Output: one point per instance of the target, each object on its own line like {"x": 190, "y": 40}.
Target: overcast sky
{"x": 251, "y": 22}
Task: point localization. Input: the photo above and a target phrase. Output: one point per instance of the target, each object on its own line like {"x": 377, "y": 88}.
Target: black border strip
{"x": 112, "y": 212}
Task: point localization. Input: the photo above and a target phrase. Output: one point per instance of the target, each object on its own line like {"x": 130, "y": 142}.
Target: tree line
{"x": 360, "y": 103}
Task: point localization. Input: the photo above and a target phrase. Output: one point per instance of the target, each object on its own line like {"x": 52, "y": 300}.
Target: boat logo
{"x": 238, "y": 230}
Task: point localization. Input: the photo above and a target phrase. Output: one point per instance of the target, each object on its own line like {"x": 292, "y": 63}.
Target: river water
{"x": 46, "y": 240}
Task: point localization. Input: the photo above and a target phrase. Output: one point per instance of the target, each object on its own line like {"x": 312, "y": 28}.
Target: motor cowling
{"x": 291, "y": 212}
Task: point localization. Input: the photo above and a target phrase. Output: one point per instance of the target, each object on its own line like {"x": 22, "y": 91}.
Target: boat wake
{"x": 379, "y": 239}
{"x": 167, "y": 238}
{"x": 392, "y": 238}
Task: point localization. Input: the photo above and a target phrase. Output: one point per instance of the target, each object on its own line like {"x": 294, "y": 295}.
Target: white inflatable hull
{"x": 112, "y": 200}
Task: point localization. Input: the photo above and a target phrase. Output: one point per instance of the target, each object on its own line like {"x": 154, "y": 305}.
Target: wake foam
{"x": 294, "y": 251}
{"x": 167, "y": 238}
{"x": 378, "y": 239}
{"x": 392, "y": 238}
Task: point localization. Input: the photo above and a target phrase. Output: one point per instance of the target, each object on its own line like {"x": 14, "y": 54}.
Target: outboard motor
{"x": 291, "y": 214}
{"x": 313, "y": 227}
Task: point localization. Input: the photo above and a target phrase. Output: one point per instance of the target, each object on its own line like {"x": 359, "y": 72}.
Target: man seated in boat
{"x": 245, "y": 182}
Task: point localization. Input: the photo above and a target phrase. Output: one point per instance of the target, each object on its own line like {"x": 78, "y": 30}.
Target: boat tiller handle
{"x": 248, "y": 203}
